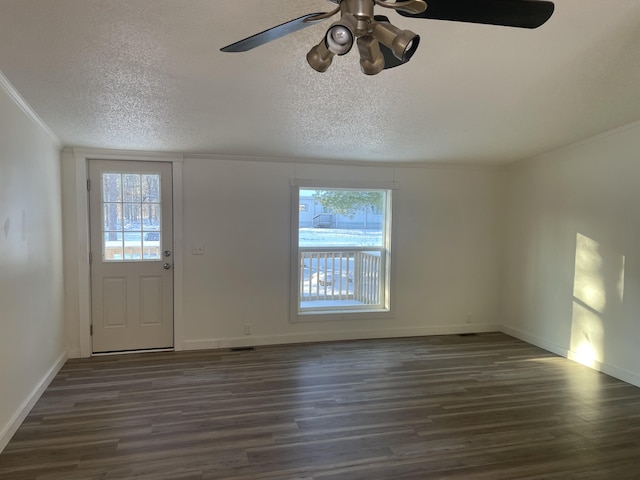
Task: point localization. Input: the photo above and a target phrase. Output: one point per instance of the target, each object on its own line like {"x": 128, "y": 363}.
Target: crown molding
{"x": 353, "y": 163}
{"x": 15, "y": 96}
{"x": 137, "y": 155}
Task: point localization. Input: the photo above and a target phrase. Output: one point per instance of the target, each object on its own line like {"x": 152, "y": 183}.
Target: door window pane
{"x": 131, "y": 188}
{"x": 112, "y": 187}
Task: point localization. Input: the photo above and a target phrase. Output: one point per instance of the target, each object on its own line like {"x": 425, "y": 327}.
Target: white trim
{"x": 352, "y": 162}
{"x": 14, "y": 95}
{"x": 84, "y": 269}
{"x": 304, "y": 183}
{"x": 124, "y": 155}
{"x": 82, "y": 157}
{"x": 293, "y": 338}
{"x": 619, "y": 373}
{"x": 616, "y": 372}
{"x": 18, "y": 417}
{"x": 386, "y": 309}
{"x": 178, "y": 257}
{"x": 133, "y": 352}
{"x": 534, "y": 340}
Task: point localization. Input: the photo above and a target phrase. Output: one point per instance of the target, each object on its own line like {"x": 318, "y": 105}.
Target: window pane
{"x": 342, "y": 218}
{"x": 133, "y": 249}
{"x": 113, "y": 236}
{"x": 113, "y": 247}
{"x": 150, "y": 188}
{"x": 112, "y": 187}
{"x": 131, "y": 189}
{"x": 112, "y": 217}
{"x": 151, "y": 245}
{"x": 113, "y": 252}
{"x": 132, "y": 217}
{"x": 151, "y": 216}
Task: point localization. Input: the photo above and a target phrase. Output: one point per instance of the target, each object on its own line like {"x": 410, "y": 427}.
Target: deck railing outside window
{"x": 118, "y": 250}
{"x": 340, "y": 276}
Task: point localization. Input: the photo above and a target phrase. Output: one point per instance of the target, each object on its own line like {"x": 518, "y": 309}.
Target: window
{"x": 341, "y": 262}
{"x": 131, "y": 216}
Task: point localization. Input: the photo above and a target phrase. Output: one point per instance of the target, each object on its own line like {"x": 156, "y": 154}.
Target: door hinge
{"x": 91, "y": 329}
{"x": 88, "y": 185}
{"x": 90, "y": 258}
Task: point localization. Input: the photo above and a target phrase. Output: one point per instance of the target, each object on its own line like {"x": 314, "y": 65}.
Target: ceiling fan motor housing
{"x": 362, "y": 10}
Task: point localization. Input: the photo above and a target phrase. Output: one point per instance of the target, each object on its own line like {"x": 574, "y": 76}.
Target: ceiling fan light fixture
{"x": 371, "y": 58}
{"x": 341, "y": 34}
{"x": 320, "y": 57}
{"x": 403, "y": 43}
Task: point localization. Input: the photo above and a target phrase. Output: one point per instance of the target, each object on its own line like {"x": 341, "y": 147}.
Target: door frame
{"x": 81, "y": 158}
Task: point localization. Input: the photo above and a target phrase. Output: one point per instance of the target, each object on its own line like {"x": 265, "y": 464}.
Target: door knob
{"x": 167, "y": 253}
{"x": 166, "y": 266}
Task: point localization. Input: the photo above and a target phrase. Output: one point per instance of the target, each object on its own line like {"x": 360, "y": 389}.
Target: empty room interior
{"x": 320, "y": 239}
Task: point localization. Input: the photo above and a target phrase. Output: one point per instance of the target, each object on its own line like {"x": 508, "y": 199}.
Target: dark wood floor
{"x": 447, "y": 407}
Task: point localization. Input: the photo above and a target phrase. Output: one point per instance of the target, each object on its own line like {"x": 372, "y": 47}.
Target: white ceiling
{"x": 148, "y": 75}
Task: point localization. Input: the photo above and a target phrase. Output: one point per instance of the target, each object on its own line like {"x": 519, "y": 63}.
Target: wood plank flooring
{"x": 445, "y": 407}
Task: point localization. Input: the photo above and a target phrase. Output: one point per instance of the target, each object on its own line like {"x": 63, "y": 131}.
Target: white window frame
{"x": 385, "y": 310}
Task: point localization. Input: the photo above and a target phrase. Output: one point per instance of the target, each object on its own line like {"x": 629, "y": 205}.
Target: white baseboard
{"x": 616, "y": 372}
{"x": 18, "y": 417}
{"x": 256, "y": 340}
{"x": 534, "y": 340}
{"x": 611, "y": 370}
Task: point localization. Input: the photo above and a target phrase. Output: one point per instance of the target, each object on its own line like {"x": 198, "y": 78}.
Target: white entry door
{"x": 131, "y": 219}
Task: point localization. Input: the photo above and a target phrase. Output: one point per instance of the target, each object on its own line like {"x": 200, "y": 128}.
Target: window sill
{"x": 319, "y": 316}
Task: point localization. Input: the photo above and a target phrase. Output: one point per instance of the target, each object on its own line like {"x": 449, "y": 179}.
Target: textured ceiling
{"x": 148, "y": 75}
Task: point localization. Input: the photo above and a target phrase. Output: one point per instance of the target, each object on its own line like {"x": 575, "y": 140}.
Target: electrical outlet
{"x": 468, "y": 318}
{"x": 197, "y": 250}
{"x": 247, "y": 329}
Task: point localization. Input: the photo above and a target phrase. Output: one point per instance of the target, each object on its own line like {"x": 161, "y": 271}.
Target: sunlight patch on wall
{"x": 588, "y": 283}
{"x": 587, "y": 335}
{"x": 598, "y": 279}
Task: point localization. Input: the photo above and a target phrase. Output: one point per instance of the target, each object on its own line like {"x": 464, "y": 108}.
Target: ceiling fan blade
{"x": 509, "y": 13}
{"x": 272, "y": 33}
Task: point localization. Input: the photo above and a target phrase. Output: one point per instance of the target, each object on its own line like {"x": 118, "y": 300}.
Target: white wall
{"x": 572, "y": 272}
{"x": 32, "y": 331}
{"x": 447, "y": 252}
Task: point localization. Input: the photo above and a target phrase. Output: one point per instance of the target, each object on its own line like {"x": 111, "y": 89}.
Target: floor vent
{"x": 467, "y": 334}
{"x": 241, "y": 349}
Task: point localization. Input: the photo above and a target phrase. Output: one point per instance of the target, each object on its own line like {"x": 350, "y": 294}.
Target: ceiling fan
{"x": 382, "y": 45}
